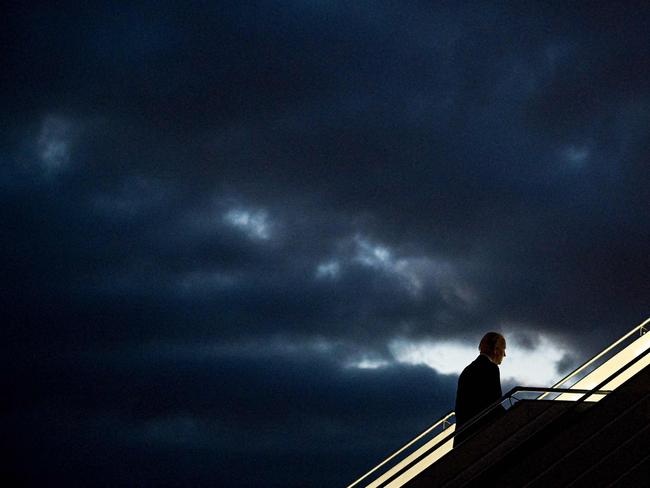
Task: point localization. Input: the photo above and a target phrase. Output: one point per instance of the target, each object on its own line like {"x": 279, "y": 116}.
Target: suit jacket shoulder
{"x": 479, "y": 385}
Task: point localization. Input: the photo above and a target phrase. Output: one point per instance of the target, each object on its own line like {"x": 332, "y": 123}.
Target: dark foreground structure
{"x": 594, "y": 433}
{"x": 548, "y": 443}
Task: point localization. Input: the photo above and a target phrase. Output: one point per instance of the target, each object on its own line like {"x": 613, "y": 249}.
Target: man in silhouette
{"x": 479, "y": 385}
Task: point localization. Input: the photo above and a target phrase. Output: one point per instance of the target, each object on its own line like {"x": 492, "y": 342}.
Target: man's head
{"x": 493, "y": 345}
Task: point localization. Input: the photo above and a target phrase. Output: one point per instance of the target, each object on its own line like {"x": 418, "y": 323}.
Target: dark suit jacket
{"x": 479, "y": 385}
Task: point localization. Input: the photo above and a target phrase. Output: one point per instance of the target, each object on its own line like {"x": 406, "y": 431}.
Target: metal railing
{"x": 642, "y": 328}
{"x": 585, "y": 394}
{"x": 444, "y": 422}
{"x": 476, "y": 420}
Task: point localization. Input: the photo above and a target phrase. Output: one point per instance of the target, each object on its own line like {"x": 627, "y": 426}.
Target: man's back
{"x": 479, "y": 385}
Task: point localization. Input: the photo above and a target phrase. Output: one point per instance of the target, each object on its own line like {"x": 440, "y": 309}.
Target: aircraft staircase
{"x": 592, "y": 428}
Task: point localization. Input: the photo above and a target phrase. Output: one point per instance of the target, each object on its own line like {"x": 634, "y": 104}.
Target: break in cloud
{"x": 540, "y": 365}
{"x": 245, "y": 231}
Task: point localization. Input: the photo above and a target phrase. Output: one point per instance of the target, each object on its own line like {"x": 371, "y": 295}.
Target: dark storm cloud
{"x": 181, "y": 177}
{"x": 228, "y": 409}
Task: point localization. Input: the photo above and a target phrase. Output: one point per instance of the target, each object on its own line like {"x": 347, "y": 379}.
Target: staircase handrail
{"x": 442, "y": 421}
{"x": 585, "y": 394}
{"x": 479, "y": 416}
{"x": 472, "y": 421}
{"x": 642, "y": 328}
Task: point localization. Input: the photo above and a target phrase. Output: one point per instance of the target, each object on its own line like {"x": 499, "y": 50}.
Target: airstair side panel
{"x": 419, "y": 466}
{"x": 609, "y": 367}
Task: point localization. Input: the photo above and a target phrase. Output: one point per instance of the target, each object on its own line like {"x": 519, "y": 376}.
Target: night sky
{"x": 254, "y": 243}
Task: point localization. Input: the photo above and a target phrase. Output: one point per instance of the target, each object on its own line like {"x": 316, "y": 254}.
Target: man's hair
{"x": 489, "y": 342}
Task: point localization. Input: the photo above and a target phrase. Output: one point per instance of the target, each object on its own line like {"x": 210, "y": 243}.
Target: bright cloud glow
{"x": 415, "y": 273}
{"x": 368, "y": 363}
{"x": 528, "y": 366}
{"x": 330, "y": 269}
{"x": 54, "y": 143}
{"x": 380, "y": 257}
{"x": 444, "y": 357}
{"x": 375, "y": 256}
{"x": 576, "y": 156}
{"x": 254, "y": 223}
